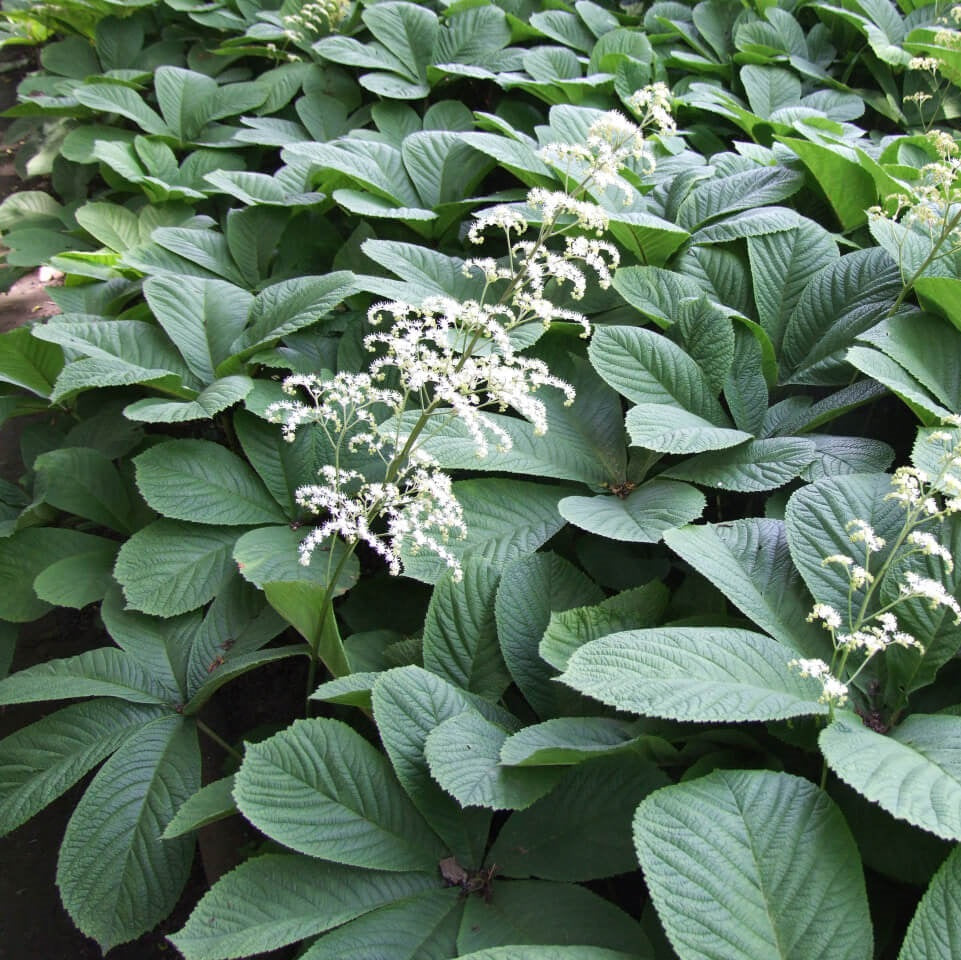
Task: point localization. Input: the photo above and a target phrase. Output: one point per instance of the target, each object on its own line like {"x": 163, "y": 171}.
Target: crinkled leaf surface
{"x": 749, "y": 864}
{"x": 935, "y": 931}
{"x": 700, "y": 674}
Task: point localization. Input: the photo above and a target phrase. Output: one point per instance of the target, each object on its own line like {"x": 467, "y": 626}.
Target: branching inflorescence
{"x": 868, "y": 629}
{"x": 444, "y": 358}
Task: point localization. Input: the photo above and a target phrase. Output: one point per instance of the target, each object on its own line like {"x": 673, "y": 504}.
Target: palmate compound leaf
{"x": 698, "y": 674}
{"x": 270, "y": 901}
{"x": 935, "y": 931}
{"x": 319, "y": 788}
{"x": 914, "y": 772}
{"x": 117, "y": 878}
{"x": 751, "y": 864}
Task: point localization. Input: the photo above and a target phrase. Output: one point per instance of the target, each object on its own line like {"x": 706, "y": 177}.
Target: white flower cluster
{"x": 418, "y": 509}
{"x": 434, "y": 350}
{"x": 653, "y": 103}
{"x": 451, "y": 358}
{"x": 315, "y": 19}
{"x": 833, "y": 691}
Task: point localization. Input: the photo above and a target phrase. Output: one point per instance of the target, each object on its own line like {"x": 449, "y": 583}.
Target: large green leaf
{"x": 667, "y": 429}
{"x": 749, "y": 562}
{"x": 83, "y": 481}
{"x": 594, "y": 800}
{"x": 537, "y": 912}
{"x": 202, "y": 318}
{"x": 753, "y": 467}
{"x": 642, "y": 516}
{"x": 648, "y": 368}
{"x": 464, "y": 758}
{"x": 270, "y": 901}
{"x": 935, "y": 931}
{"x": 549, "y": 953}
{"x": 700, "y": 674}
{"x": 203, "y": 482}
{"x": 24, "y": 556}
{"x": 460, "y": 636}
{"x": 28, "y": 362}
{"x": 408, "y": 703}
{"x": 321, "y": 789}
{"x": 117, "y": 878}
{"x": 220, "y": 395}
{"x": 914, "y": 772}
{"x": 530, "y": 590}
{"x": 171, "y": 567}
{"x": 80, "y": 579}
{"x": 772, "y": 856}
{"x": 39, "y": 762}
{"x": 104, "y": 672}
{"x": 569, "y": 630}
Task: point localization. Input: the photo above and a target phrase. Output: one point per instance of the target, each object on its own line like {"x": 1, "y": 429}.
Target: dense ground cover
{"x": 572, "y": 389}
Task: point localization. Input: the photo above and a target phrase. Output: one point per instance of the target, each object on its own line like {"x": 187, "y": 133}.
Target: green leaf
{"x": 28, "y": 362}
{"x": 407, "y": 31}
{"x": 935, "y": 931}
{"x": 463, "y": 753}
{"x": 530, "y": 589}
{"x": 781, "y": 266}
{"x": 506, "y": 519}
{"x": 595, "y": 799}
{"x": 290, "y": 305}
{"x": 408, "y": 703}
{"x": 270, "y": 901}
{"x": 202, "y": 318}
{"x": 104, "y": 672}
{"x": 698, "y": 674}
{"x": 753, "y": 467}
{"x": 41, "y": 761}
{"x": 536, "y": 912}
{"x": 460, "y": 637}
{"x": 203, "y": 482}
{"x": 571, "y": 629}
{"x": 123, "y": 100}
{"x": 749, "y": 562}
{"x": 642, "y": 516}
{"x": 80, "y": 579}
{"x": 117, "y": 878}
{"x": 649, "y": 369}
{"x": 772, "y": 855}
{"x": 421, "y": 927}
{"x": 220, "y": 395}
{"x": 208, "y": 805}
{"x": 914, "y": 772}
{"x": 83, "y": 481}
{"x": 666, "y": 429}
{"x": 321, "y": 789}
{"x": 839, "y": 303}
{"x": 172, "y": 567}
{"x": 745, "y": 190}
{"x": 566, "y": 740}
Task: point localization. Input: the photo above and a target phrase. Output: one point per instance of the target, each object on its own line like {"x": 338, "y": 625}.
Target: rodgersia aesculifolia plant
{"x": 444, "y": 358}
{"x": 866, "y": 626}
